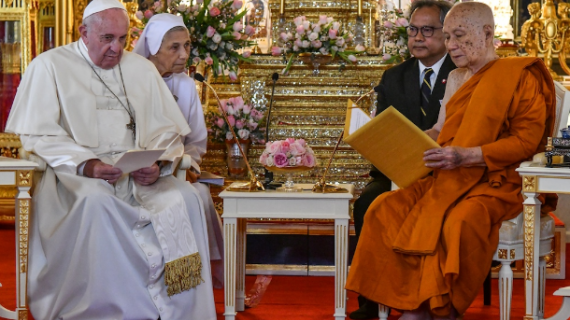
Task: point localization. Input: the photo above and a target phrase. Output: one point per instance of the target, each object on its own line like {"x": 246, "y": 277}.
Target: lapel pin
{"x": 444, "y": 81}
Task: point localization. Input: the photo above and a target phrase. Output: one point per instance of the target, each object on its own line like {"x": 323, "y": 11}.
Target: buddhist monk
{"x": 429, "y": 246}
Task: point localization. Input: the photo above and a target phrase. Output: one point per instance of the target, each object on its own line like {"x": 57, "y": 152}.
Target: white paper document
{"x": 207, "y": 177}
{"x": 133, "y": 160}
{"x": 356, "y": 118}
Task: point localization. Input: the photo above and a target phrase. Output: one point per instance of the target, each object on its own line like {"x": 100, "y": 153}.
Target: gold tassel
{"x": 183, "y": 274}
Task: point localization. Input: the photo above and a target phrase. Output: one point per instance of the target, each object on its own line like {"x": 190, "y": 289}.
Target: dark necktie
{"x": 426, "y": 90}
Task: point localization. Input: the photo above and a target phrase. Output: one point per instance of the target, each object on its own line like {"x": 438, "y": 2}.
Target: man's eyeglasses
{"x": 426, "y": 31}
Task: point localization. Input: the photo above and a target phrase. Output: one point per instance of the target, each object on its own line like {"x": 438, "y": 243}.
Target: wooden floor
{"x": 294, "y": 298}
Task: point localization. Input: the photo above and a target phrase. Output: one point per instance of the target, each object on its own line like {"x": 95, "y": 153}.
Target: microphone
{"x": 269, "y": 174}
{"x": 253, "y": 185}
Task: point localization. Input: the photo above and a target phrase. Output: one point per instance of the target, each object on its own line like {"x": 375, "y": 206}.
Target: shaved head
{"x": 469, "y": 31}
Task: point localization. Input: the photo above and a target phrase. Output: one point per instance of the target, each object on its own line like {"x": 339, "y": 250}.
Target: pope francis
{"x": 106, "y": 244}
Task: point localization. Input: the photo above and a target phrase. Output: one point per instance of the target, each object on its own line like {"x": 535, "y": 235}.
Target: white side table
{"x": 539, "y": 179}
{"x": 19, "y": 173}
{"x": 239, "y": 206}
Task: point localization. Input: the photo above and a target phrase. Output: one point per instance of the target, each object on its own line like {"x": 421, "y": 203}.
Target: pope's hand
{"x": 192, "y": 176}
{"x": 146, "y": 176}
{"x": 96, "y": 168}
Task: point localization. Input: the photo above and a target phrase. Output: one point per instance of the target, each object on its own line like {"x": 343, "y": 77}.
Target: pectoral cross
{"x": 132, "y": 126}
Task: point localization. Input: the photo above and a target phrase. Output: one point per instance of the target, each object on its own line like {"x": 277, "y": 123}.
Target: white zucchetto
{"x": 100, "y": 5}
{"x": 151, "y": 38}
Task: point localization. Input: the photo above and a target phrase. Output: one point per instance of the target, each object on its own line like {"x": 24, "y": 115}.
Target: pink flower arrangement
{"x": 216, "y": 31}
{"x": 322, "y": 37}
{"x": 244, "y": 118}
{"x": 287, "y": 153}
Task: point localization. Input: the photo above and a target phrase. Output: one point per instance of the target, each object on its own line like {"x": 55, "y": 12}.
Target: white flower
{"x": 340, "y": 42}
{"x": 217, "y": 38}
{"x": 336, "y": 25}
{"x": 229, "y": 136}
{"x": 231, "y": 111}
{"x": 359, "y": 48}
{"x": 324, "y": 50}
{"x": 334, "y": 48}
{"x": 306, "y": 44}
{"x": 313, "y": 36}
{"x": 269, "y": 162}
{"x": 243, "y": 134}
{"x": 181, "y": 7}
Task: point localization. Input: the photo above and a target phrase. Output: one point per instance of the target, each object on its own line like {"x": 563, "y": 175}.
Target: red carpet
{"x": 293, "y": 298}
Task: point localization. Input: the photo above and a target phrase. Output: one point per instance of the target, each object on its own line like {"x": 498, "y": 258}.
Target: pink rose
{"x": 280, "y": 160}
{"x": 316, "y": 44}
{"x": 249, "y": 30}
{"x": 236, "y": 35}
{"x": 352, "y": 58}
{"x": 233, "y": 76}
{"x": 309, "y": 160}
{"x": 296, "y": 149}
{"x": 246, "y": 54}
{"x": 238, "y": 26}
{"x": 388, "y": 24}
{"x": 402, "y": 22}
{"x": 300, "y": 29}
{"x": 237, "y": 4}
{"x": 220, "y": 122}
{"x": 246, "y": 109}
{"x": 275, "y": 51}
{"x": 214, "y": 11}
{"x": 386, "y": 56}
{"x": 263, "y": 158}
{"x": 238, "y": 103}
{"x": 298, "y": 161}
{"x": 285, "y": 146}
{"x": 239, "y": 124}
{"x": 322, "y": 19}
{"x": 302, "y": 142}
{"x": 148, "y": 14}
{"x": 139, "y": 15}
{"x": 333, "y": 33}
{"x": 299, "y": 20}
{"x": 209, "y": 61}
{"x": 252, "y": 125}
{"x": 275, "y": 147}
{"x": 232, "y": 120}
{"x": 210, "y": 32}
{"x": 290, "y": 140}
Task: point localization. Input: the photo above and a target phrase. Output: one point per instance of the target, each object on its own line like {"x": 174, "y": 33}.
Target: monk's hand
{"x": 192, "y": 175}
{"x": 452, "y": 157}
{"x": 97, "y": 169}
{"x": 146, "y": 176}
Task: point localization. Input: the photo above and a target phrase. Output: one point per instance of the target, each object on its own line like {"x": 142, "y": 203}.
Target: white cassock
{"x": 94, "y": 253}
{"x": 195, "y": 144}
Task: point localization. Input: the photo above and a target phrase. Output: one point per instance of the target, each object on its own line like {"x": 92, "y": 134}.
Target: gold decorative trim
{"x": 513, "y": 254}
{"x": 24, "y": 178}
{"x": 24, "y": 212}
{"x": 529, "y": 183}
{"x": 23, "y": 314}
{"x": 528, "y": 240}
{"x": 502, "y": 254}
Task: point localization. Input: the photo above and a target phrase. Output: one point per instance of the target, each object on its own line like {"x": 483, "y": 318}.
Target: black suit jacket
{"x": 400, "y": 88}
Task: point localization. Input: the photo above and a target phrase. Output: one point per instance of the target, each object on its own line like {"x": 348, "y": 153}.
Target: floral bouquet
{"x": 244, "y": 119}
{"x": 288, "y": 153}
{"x": 395, "y": 47}
{"x": 216, "y": 32}
{"x": 323, "y": 37}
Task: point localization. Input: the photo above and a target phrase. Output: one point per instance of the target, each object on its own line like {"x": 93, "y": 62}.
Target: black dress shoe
{"x": 368, "y": 310}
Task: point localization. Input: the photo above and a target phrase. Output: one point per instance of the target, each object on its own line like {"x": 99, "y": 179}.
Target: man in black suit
{"x": 415, "y": 88}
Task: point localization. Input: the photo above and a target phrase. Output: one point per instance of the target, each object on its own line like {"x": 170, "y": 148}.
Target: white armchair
{"x": 511, "y": 234}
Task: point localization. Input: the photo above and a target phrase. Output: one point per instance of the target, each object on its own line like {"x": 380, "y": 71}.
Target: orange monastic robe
{"x": 434, "y": 240}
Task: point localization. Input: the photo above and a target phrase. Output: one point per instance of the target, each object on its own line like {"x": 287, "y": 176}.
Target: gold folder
{"x": 391, "y": 142}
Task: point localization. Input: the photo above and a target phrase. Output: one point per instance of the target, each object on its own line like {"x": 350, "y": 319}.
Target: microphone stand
{"x": 253, "y": 184}
{"x": 322, "y": 186}
{"x": 268, "y": 182}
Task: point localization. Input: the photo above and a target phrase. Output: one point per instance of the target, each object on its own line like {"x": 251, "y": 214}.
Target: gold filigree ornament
{"x": 529, "y": 183}
{"x": 502, "y": 253}
{"x": 528, "y": 241}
